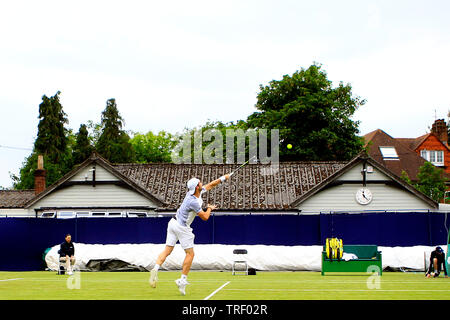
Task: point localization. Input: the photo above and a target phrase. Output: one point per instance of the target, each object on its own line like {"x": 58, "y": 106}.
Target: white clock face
{"x": 364, "y": 196}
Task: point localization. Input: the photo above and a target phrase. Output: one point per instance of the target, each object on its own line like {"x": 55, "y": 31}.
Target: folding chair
{"x": 239, "y": 258}
{"x": 61, "y": 265}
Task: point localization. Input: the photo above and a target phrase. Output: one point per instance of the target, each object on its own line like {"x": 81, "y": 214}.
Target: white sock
{"x": 156, "y": 267}
{"x": 183, "y": 277}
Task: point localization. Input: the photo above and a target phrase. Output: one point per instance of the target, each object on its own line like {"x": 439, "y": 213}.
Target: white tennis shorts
{"x": 177, "y": 232}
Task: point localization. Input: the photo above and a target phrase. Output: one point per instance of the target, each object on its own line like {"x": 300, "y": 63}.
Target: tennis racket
{"x": 242, "y": 165}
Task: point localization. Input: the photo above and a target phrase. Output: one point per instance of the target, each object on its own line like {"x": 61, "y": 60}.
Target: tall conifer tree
{"x": 114, "y": 143}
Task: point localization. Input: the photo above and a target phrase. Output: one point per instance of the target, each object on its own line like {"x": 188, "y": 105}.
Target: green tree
{"x": 311, "y": 115}
{"x": 53, "y": 141}
{"x": 430, "y": 181}
{"x": 208, "y": 133}
{"x": 95, "y": 131}
{"x": 152, "y": 147}
{"x": 52, "y": 137}
{"x": 114, "y": 143}
{"x": 82, "y": 148}
{"x": 406, "y": 178}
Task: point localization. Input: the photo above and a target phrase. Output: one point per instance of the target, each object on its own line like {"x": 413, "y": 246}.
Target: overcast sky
{"x": 176, "y": 64}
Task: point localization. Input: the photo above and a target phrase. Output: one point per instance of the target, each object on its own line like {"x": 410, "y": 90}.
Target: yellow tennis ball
{"x": 289, "y": 146}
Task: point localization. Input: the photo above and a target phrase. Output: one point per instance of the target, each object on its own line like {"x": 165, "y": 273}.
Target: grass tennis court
{"x": 262, "y": 286}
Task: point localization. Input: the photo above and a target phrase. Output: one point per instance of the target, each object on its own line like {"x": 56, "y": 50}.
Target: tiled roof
{"x": 409, "y": 142}
{"x": 248, "y": 189}
{"x": 414, "y": 143}
{"x": 408, "y": 160}
{"x": 15, "y": 198}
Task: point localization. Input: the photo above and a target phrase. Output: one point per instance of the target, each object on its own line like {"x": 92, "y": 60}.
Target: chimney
{"x": 39, "y": 176}
{"x": 439, "y": 128}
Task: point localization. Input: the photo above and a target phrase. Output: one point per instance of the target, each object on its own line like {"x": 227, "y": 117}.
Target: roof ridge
{"x": 228, "y": 164}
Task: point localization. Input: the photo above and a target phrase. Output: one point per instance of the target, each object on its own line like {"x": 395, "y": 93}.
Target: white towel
{"x": 349, "y": 256}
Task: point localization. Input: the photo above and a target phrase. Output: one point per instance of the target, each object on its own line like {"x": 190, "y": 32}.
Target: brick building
{"x": 432, "y": 146}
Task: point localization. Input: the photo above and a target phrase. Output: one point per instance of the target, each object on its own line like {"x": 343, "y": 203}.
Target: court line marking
{"x": 63, "y": 278}
{"x": 11, "y": 279}
{"x": 337, "y": 290}
{"x": 320, "y": 282}
{"x": 217, "y": 290}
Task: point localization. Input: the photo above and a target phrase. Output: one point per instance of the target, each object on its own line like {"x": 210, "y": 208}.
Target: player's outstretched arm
{"x": 204, "y": 215}
{"x": 216, "y": 182}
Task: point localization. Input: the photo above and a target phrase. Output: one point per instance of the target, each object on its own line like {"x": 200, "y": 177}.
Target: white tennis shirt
{"x": 189, "y": 208}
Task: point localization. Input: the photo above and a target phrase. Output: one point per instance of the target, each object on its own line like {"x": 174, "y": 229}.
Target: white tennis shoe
{"x": 182, "y": 285}
{"x": 153, "y": 278}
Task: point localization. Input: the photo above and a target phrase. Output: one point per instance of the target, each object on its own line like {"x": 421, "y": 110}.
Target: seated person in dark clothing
{"x": 436, "y": 259}
{"x": 67, "y": 254}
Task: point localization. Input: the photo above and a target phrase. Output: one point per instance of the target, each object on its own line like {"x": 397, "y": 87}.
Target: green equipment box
{"x": 369, "y": 260}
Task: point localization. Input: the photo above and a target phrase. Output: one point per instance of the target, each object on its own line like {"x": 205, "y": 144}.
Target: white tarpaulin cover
{"x": 220, "y": 257}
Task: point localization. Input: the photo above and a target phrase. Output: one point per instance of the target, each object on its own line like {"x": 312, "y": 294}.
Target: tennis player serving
{"x": 178, "y": 229}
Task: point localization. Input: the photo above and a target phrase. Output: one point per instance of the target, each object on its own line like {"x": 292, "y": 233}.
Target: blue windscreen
{"x": 24, "y": 240}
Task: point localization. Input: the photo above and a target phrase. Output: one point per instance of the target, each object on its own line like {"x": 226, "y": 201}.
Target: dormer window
{"x": 436, "y": 157}
{"x": 389, "y": 153}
